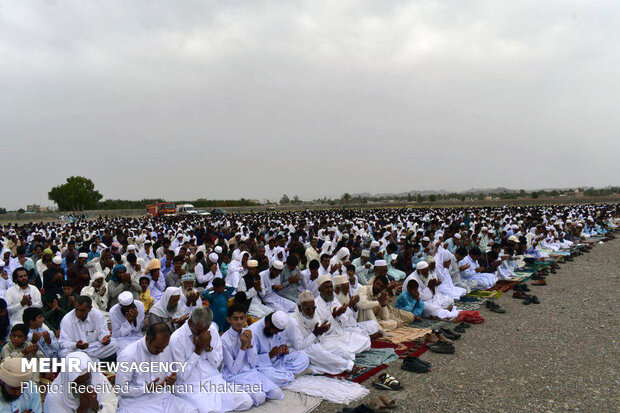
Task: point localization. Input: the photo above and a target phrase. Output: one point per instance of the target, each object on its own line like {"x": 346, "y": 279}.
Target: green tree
{"x": 285, "y": 200}
{"x": 77, "y": 194}
{"x": 346, "y": 197}
{"x": 2, "y": 211}
{"x": 534, "y": 195}
{"x": 432, "y": 197}
{"x": 21, "y": 211}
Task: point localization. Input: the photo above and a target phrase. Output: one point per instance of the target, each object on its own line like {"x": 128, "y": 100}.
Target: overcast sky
{"x": 229, "y": 99}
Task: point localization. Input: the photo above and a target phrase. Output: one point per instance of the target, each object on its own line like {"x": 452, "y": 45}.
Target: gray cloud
{"x": 260, "y": 98}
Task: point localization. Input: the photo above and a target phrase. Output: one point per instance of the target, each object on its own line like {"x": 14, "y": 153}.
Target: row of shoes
{"x": 494, "y": 307}
{"x": 520, "y": 292}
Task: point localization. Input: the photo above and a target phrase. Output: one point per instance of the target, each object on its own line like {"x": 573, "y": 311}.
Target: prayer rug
{"x": 469, "y": 303}
{"x": 487, "y": 294}
{"x": 428, "y": 323}
{"x": 408, "y": 348}
{"x": 292, "y": 403}
{"x": 361, "y": 376}
{"x": 375, "y": 357}
{"x": 330, "y": 389}
{"x": 504, "y": 285}
{"x": 404, "y": 334}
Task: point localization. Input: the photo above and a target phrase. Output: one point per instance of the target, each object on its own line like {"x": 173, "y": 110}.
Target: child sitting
{"x": 18, "y": 347}
{"x": 218, "y": 302}
{"x": 145, "y": 295}
{"x": 409, "y": 300}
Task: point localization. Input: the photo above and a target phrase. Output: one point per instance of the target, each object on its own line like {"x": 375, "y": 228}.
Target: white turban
{"x": 279, "y": 320}
{"x": 421, "y": 265}
{"x": 57, "y": 260}
{"x": 380, "y": 263}
{"x": 323, "y": 279}
{"x": 213, "y": 257}
{"x": 305, "y": 297}
{"x": 125, "y": 298}
{"x": 277, "y": 265}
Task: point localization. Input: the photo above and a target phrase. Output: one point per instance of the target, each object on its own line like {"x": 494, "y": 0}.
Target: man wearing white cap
{"x": 97, "y": 290}
{"x": 14, "y": 396}
{"x": 252, "y": 285}
{"x": 348, "y": 320}
{"x": 341, "y": 316}
{"x": 78, "y": 274}
{"x": 436, "y": 304}
{"x": 373, "y": 303}
{"x": 127, "y": 319}
{"x": 275, "y": 360}
{"x": 305, "y": 332}
{"x": 363, "y": 267}
{"x": 272, "y": 283}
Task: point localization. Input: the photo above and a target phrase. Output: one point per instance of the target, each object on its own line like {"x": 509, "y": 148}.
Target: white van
{"x": 186, "y": 209}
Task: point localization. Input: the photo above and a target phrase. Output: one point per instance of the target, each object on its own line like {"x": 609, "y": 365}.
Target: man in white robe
{"x": 140, "y": 395}
{"x": 198, "y": 343}
{"x": 241, "y": 359}
{"x": 275, "y": 359}
{"x": 436, "y": 304}
{"x": 443, "y": 259}
{"x": 21, "y": 296}
{"x": 471, "y": 270}
{"x": 340, "y": 316}
{"x": 64, "y": 400}
{"x": 86, "y": 329}
{"x": 271, "y": 280}
{"x": 127, "y": 319}
{"x": 348, "y": 320}
{"x": 252, "y": 285}
{"x": 169, "y": 309}
{"x": 306, "y": 333}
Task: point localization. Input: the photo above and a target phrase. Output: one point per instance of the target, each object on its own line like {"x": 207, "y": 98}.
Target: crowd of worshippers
{"x": 250, "y": 299}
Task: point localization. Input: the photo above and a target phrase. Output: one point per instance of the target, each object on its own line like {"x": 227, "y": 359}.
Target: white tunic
{"x": 123, "y": 331}
{"x": 203, "y": 368}
{"x": 91, "y": 331}
{"x": 13, "y": 298}
{"x": 137, "y": 398}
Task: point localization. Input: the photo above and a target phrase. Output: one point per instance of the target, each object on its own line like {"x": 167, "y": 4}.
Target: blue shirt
{"x": 30, "y": 399}
{"x": 405, "y": 301}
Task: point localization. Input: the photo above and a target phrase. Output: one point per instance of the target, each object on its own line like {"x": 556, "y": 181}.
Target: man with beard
{"x": 320, "y": 341}
{"x": 340, "y": 316}
{"x": 252, "y": 285}
{"x": 78, "y": 273}
{"x": 272, "y": 281}
{"x": 76, "y": 391}
{"x": 373, "y": 302}
{"x": 21, "y": 296}
{"x": 348, "y": 320}
{"x": 169, "y": 309}
{"x": 275, "y": 359}
{"x": 86, "y": 328}
{"x": 145, "y": 391}
{"x": 436, "y": 303}
{"x": 191, "y": 296}
{"x": 198, "y": 343}
{"x": 14, "y": 395}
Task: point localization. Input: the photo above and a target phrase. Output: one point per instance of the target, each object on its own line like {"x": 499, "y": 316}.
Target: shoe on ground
{"x": 535, "y": 300}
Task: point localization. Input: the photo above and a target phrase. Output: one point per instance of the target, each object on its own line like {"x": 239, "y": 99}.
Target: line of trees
{"x": 79, "y": 194}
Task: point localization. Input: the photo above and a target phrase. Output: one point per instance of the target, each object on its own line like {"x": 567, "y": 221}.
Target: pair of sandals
{"x": 382, "y": 403}
{"x": 387, "y": 382}
{"x": 462, "y": 327}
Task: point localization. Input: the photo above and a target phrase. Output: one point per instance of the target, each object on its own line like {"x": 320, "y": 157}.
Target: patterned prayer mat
{"x": 409, "y": 348}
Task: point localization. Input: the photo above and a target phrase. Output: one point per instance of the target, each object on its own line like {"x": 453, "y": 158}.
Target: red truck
{"x": 161, "y": 208}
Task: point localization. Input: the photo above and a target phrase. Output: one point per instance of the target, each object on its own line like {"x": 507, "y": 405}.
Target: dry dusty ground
{"x": 561, "y": 355}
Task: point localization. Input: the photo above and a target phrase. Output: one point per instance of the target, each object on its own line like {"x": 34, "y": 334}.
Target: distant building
{"x": 33, "y": 208}
{"x": 578, "y": 193}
